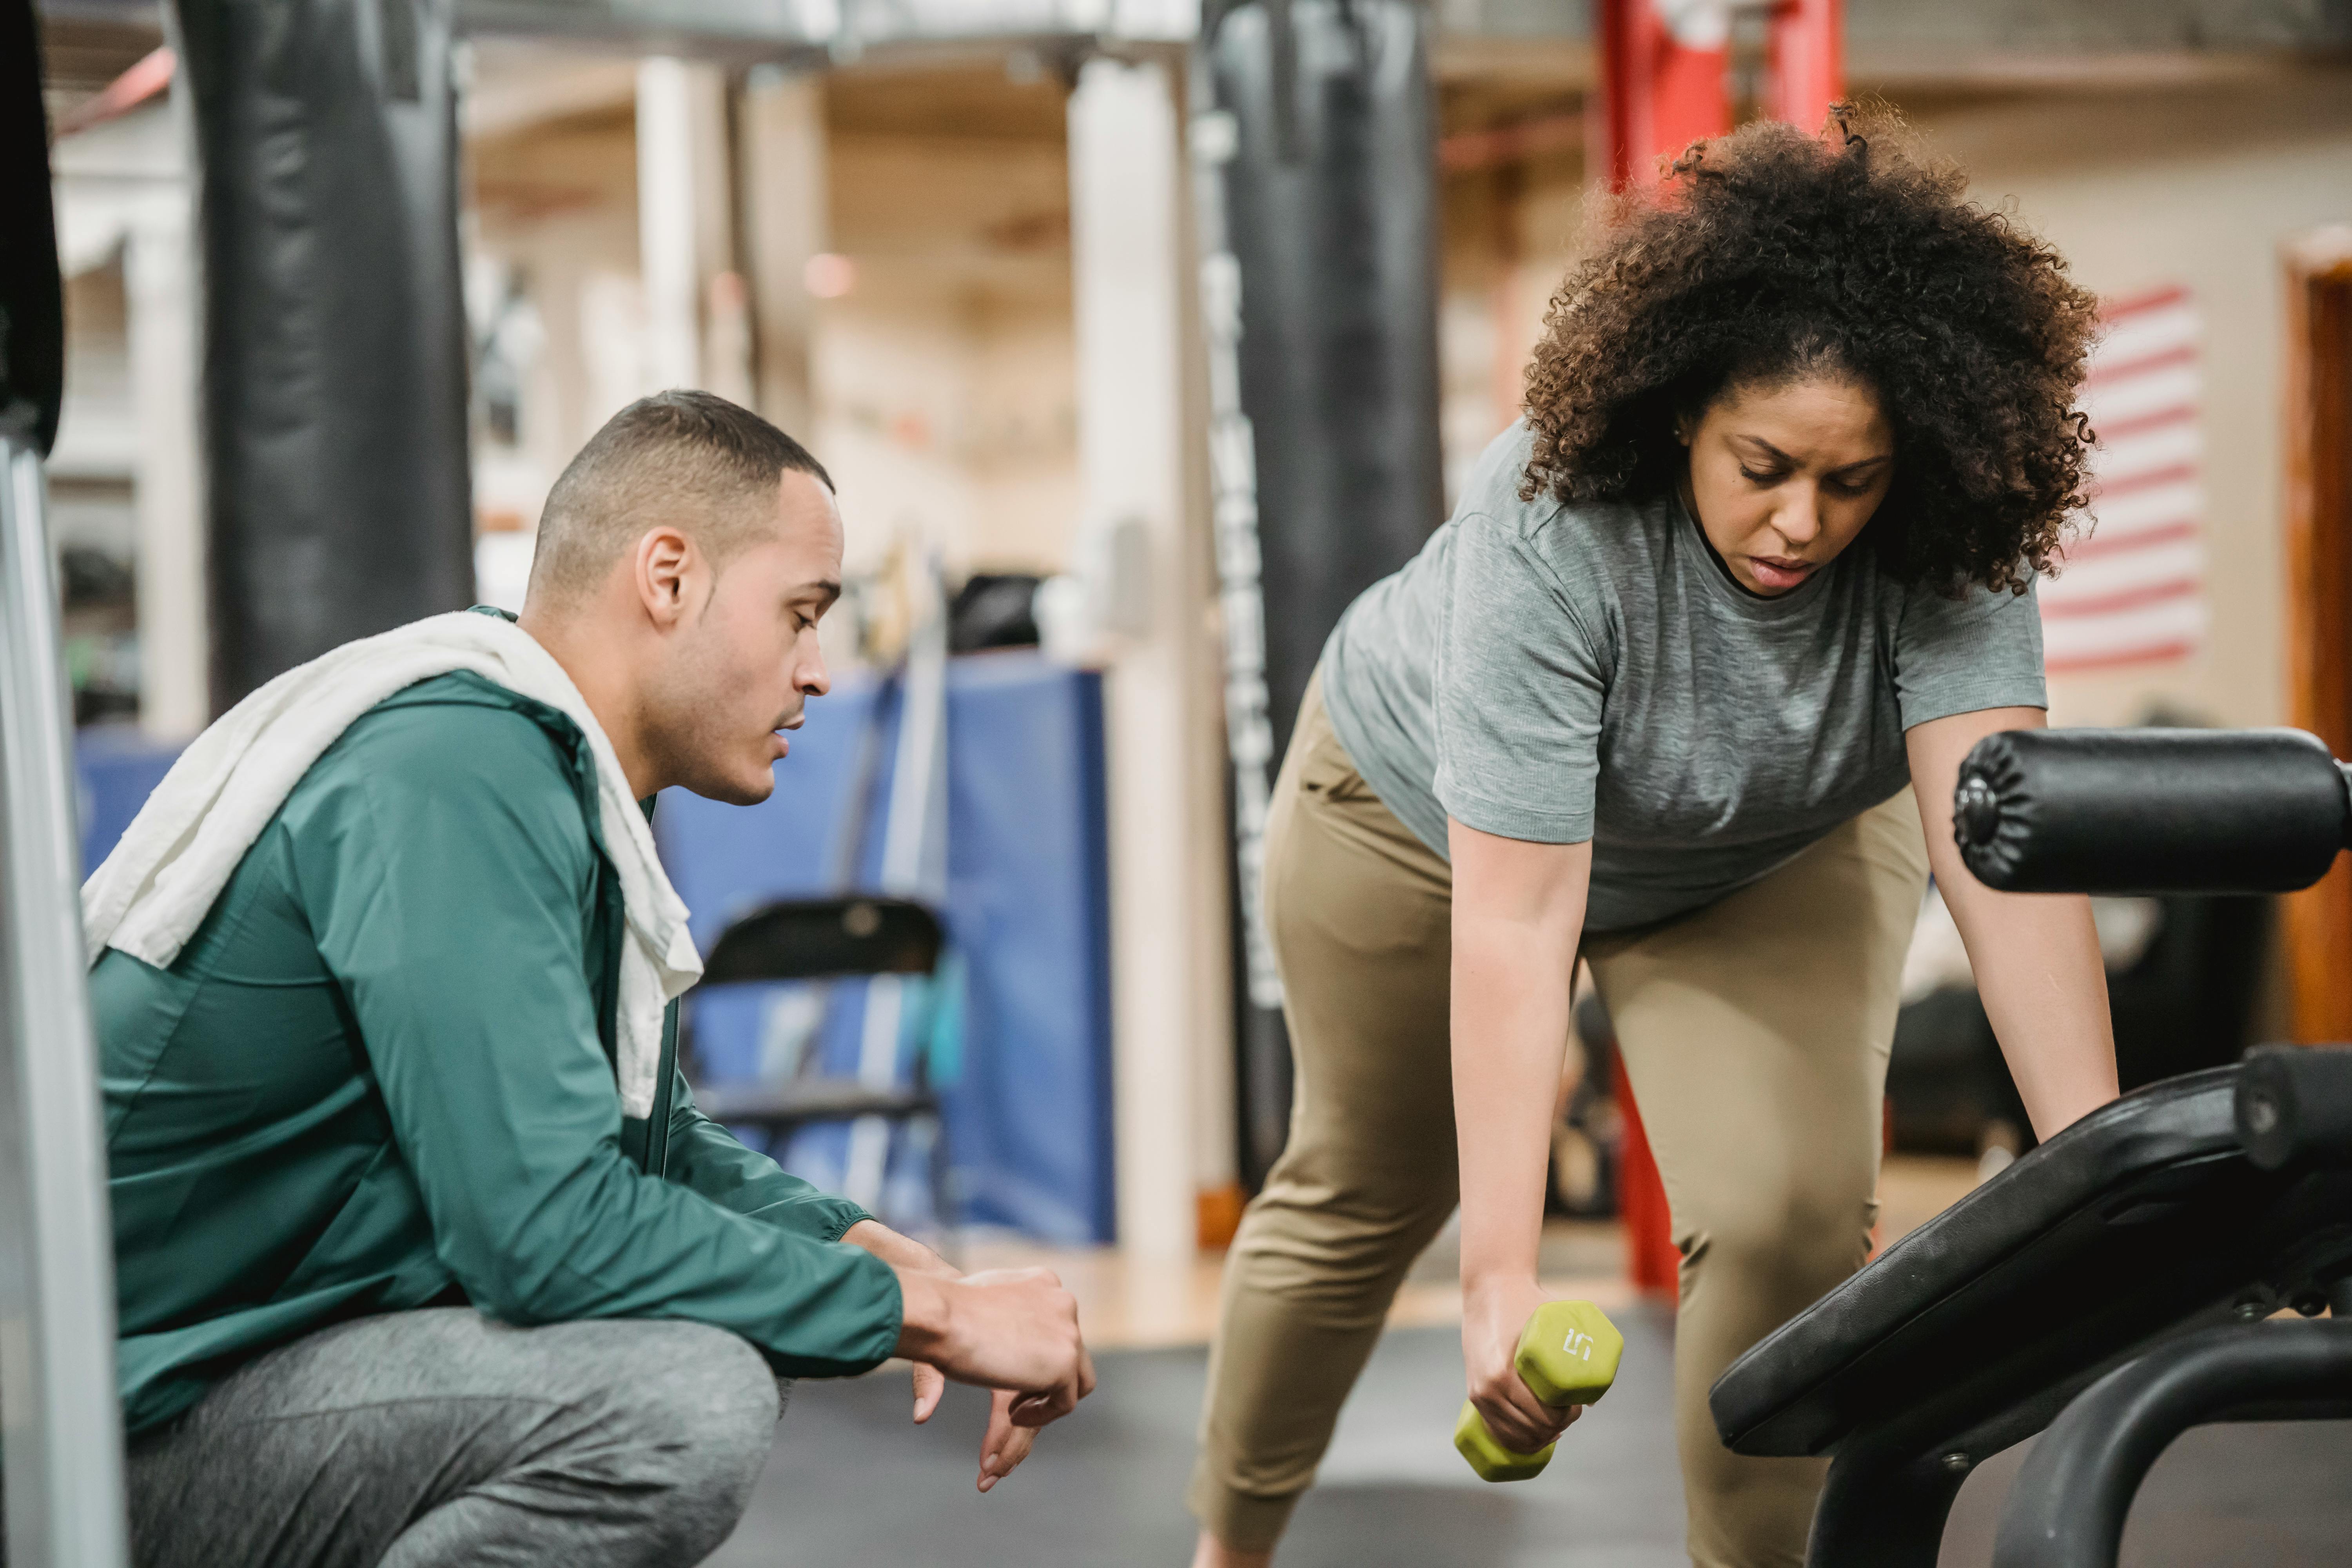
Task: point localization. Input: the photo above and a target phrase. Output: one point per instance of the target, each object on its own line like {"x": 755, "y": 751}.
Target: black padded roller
{"x": 2294, "y": 1106}
{"x": 2150, "y": 811}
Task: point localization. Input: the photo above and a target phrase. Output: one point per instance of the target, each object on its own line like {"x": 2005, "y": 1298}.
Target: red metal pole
{"x": 1662, "y": 87}
{"x": 1805, "y": 67}
{"x": 1652, "y": 1262}
{"x": 1662, "y": 82}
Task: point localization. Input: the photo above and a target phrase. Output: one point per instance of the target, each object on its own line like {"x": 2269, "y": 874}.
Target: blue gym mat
{"x": 1023, "y": 1052}
{"x": 1024, "y": 1057}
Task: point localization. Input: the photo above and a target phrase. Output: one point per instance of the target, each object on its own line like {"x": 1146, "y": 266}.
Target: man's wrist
{"x": 925, "y": 1314}
{"x": 901, "y": 1252}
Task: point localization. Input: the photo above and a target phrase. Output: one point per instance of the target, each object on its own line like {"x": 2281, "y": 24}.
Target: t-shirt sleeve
{"x": 1517, "y": 692}
{"x": 446, "y": 883}
{"x": 1965, "y": 654}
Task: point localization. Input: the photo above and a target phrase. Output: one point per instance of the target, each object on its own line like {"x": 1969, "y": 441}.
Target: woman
{"x": 1684, "y": 686}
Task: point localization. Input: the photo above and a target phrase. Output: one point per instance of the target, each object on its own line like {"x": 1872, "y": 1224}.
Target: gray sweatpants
{"x": 442, "y": 1438}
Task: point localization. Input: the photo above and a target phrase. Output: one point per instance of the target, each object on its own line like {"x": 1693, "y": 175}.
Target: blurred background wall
{"x": 862, "y": 222}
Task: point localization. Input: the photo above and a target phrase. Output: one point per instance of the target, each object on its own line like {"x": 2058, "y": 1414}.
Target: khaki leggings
{"x": 1755, "y": 1032}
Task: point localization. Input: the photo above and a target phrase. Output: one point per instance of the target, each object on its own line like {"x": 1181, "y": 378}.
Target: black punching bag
{"x": 1319, "y": 117}
{"x": 32, "y": 298}
{"x": 1331, "y": 210}
{"x": 335, "y": 341}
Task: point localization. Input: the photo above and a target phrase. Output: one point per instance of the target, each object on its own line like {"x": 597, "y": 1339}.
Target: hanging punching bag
{"x": 1316, "y": 134}
{"x": 334, "y": 374}
{"x": 32, "y": 298}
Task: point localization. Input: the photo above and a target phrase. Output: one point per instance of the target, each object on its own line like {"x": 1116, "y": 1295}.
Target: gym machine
{"x": 60, "y": 1422}
{"x": 2119, "y": 1284}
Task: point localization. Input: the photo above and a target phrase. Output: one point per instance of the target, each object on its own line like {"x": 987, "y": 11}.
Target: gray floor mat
{"x": 853, "y": 1482}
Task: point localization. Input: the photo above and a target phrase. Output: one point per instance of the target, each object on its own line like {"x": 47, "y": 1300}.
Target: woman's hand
{"x": 2036, "y": 955}
{"x": 1493, "y": 1317}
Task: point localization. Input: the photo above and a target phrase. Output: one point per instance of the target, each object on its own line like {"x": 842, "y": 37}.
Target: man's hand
{"x": 1005, "y": 1444}
{"x": 1015, "y": 1328}
{"x": 1002, "y": 1447}
{"x": 906, "y": 1253}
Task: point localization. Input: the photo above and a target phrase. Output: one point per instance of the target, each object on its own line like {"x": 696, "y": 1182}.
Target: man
{"x": 424, "y": 1254}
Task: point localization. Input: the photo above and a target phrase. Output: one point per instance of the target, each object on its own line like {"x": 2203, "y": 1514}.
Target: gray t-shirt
{"x": 1557, "y": 673}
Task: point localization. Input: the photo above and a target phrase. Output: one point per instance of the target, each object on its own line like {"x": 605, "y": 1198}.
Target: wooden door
{"x": 2319, "y": 594}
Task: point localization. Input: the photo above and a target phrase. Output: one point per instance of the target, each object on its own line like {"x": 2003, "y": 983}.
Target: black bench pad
{"x": 2142, "y": 1220}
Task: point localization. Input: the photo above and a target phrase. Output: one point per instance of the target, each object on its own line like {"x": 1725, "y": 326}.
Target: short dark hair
{"x": 691, "y": 458}
{"x": 1771, "y": 254}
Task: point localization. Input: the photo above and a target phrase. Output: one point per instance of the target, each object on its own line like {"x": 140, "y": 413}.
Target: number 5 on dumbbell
{"x": 1568, "y": 1356}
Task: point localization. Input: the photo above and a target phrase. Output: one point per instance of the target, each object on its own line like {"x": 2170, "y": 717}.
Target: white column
{"x": 167, "y": 478}
{"x": 698, "y": 329}
{"x": 1137, "y": 391}
{"x": 786, "y": 222}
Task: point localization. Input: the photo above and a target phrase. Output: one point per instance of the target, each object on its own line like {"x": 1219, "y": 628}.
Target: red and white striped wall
{"x": 2133, "y": 590}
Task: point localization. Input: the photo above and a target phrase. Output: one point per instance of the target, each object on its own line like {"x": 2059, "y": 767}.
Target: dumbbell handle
{"x": 2150, "y": 811}
{"x": 2294, "y": 1106}
{"x": 1567, "y": 1354}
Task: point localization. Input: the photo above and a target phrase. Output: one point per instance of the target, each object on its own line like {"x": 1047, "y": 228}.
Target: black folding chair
{"x": 826, "y": 938}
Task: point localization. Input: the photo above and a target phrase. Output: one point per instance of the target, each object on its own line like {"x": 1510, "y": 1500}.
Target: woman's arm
{"x": 1518, "y": 909}
{"x": 2036, "y": 955}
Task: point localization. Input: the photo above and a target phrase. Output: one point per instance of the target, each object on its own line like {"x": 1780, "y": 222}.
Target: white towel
{"x": 180, "y": 851}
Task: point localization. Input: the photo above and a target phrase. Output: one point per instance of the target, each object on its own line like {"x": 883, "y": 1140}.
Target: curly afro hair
{"x": 1768, "y": 254}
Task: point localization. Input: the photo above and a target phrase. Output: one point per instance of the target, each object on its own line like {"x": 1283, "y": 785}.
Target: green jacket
{"x": 380, "y": 1076}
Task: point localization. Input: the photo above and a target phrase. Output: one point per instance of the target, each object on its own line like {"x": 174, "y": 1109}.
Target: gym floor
{"x": 854, "y": 1482}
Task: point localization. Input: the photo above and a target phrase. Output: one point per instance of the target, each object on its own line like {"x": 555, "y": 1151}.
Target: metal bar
{"x": 1907, "y": 39}
{"x": 2068, "y": 1507}
{"x": 913, "y": 865}
{"x": 60, "y": 1418}
{"x": 1884, "y": 1507}
{"x": 815, "y": 30}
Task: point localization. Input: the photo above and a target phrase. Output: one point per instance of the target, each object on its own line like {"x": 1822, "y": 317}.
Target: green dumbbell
{"x": 1568, "y": 1356}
